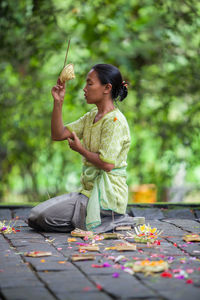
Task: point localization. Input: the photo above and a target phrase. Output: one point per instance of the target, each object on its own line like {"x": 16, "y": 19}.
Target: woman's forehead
{"x": 92, "y": 75}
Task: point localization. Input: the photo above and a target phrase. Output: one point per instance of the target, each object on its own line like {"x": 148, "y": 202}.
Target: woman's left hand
{"x": 74, "y": 143}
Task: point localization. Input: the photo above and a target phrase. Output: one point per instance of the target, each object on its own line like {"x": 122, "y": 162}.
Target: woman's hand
{"x": 58, "y": 92}
{"x": 92, "y": 157}
{"x": 74, "y": 143}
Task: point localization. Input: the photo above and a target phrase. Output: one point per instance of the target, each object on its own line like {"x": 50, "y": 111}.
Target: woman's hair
{"x": 110, "y": 74}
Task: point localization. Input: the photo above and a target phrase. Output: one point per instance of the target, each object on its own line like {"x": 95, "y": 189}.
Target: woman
{"x": 101, "y": 203}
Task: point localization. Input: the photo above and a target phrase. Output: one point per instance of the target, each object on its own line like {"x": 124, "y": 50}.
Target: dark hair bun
{"x": 111, "y": 74}
{"x": 123, "y": 91}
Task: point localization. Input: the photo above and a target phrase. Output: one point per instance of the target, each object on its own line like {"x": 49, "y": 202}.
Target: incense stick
{"x": 66, "y": 54}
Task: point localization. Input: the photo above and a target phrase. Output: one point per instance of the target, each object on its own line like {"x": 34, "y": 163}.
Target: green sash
{"x": 102, "y": 195}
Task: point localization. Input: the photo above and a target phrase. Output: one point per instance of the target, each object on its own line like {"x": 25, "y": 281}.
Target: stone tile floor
{"x": 57, "y": 277}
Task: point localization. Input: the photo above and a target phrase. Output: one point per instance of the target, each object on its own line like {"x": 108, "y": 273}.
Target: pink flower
{"x": 166, "y": 274}
{"x": 87, "y": 288}
{"x": 99, "y": 287}
{"x": 179, "y": 276}
{"x": 189, "y": 281}
{"x": 82, "y": 244}
{"x": 115, "y": 275}
{"x": 154, "y": 255}
{"x": 157, "y": 243}
{"x": 189, "y": 271}
{"x": 118, "y": 266}
{"x": 106, "y": 265}
{"x": 183, "y": 261}
{"x": 97, "y": 266}
{"x": 111, "y": 257}
{"x": 176, "y": 270}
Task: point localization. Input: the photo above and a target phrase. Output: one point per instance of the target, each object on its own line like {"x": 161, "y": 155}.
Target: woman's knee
{"x": 32, "y": 216}
{"x": 36, "y": 218}
{"x": 32, "y": 222}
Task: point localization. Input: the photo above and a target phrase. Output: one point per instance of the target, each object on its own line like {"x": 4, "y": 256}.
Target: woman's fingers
{"x": 69, "y": 142}
{"x": 58, "y": 91}
{"x": 74, "y": 135}
{"x": 57, "y": 88}
{"x": 60, "y": 83}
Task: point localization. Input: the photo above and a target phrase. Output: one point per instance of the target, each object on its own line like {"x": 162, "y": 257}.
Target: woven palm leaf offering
{"x": 111, "y": 235}
{"x": 82, "y": 257}
{"x": 91, "y": 247}
{"x": 87, "y": 235}
{"x": 37, "y": 253}
{"x": 81, "y": 233}
{"x": 67, "y": 72}
{"x": 125, "y": 247}
{"x": 121, "y": 228}
{"x": 145, "y": 234}
{"x": 191, "y": 237}
{"x": 148, "y": 267}
{"x": 122, "y": 247}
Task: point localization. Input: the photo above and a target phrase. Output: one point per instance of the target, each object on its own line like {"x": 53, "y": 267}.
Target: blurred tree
{"x": 156, "y": 47}
{"x": 28, "y": 32}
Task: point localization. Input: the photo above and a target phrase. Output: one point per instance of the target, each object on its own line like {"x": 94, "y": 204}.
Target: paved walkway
{"x": 58, "y": 277}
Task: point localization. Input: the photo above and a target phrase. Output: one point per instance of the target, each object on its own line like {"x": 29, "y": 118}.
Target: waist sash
{"x": 102, "y": 195}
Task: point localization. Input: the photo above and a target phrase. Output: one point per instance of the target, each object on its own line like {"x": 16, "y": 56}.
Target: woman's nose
{"x": 84, "y": 89}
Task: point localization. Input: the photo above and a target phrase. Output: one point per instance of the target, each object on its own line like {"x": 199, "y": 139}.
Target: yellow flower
{"x": 143, "y": 227}
{"x": 147, "y": 229}
{"x": 153, "y": 230}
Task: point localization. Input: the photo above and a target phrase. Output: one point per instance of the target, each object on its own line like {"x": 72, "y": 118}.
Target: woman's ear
{"x": 108, "y": 88}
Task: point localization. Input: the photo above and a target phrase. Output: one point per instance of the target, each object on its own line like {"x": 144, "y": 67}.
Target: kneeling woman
{"x": 101, "y": 203}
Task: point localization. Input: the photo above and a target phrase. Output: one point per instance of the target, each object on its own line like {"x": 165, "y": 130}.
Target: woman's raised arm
{"x": 58, "y": 131}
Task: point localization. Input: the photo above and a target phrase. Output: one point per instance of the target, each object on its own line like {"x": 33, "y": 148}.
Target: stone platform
{"x": 58, "y": 277}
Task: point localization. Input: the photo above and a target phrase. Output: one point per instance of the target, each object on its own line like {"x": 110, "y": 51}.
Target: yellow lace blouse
{"x": 110, "y": 137}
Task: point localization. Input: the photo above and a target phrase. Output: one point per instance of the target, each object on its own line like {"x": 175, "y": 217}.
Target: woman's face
{"x": 94, "y": 90}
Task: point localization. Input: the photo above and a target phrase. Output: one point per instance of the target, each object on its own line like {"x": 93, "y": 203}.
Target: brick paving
{"x": 57, "y": 277}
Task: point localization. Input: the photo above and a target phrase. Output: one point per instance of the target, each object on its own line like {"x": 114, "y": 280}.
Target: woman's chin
{"x": 89, "y": 101}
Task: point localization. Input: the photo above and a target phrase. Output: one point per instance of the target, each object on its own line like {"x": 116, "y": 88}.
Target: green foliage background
{"x": 156, "y": 46}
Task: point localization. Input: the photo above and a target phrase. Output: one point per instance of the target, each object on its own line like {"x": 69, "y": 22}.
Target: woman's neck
{"x": 105, "y": 107}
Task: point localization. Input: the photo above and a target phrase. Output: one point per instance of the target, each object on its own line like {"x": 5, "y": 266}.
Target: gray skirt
{"x": 67, "y": 212}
